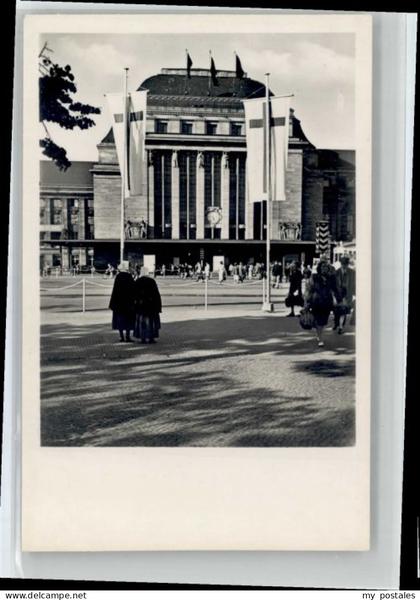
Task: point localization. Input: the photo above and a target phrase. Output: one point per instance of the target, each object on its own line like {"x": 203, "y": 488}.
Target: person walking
{"x": 137, "y": 270}
{"x": 346, "y": 286}
{"x": 207, "y": 270}
{"x": 235, "y": 273}
{"x": 198, "y": 272}
{"x": 294, "y": 297}
{"x": 109, "y": 271}
{"x": 307, "y": 273}
{"x": 277, "y": 274}
{"x": 321, "y": 297}
{"x": 122, "y": 302}
{"x": 148, "y": 306}
{"x": 221, "y": 272}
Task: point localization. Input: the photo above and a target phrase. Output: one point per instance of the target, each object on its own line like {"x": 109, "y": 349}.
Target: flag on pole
{"x": 239, "y": 70}
{"x": 255, "y": 127}
{"x": 189, "y": 65}
{"x": 213, "y": 72}
{"x": 130, "y": 113}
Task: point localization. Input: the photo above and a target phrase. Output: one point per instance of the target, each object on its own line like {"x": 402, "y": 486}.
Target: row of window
{"x": 211, "y": 127}
{"x": 212, "y": 164}
{"x": 71, "y": 213}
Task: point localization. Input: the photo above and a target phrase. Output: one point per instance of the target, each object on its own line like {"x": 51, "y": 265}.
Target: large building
{"x": 194, "y": 202}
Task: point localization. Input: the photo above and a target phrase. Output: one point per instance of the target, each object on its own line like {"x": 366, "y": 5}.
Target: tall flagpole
{"x": 124, "y": 165}
{"x": 186, "y": 70}
{"x": 209, "y": 81}
{"x": 267, "y": 306}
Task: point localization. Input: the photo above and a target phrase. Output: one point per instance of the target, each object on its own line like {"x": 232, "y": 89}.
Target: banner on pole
{"x": 131, "y": 114}
{"x": 322, "y": 237}
{"x": 255, "y": 125}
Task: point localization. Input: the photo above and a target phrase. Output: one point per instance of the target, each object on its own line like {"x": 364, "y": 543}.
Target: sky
{"x": 319, "y": 69}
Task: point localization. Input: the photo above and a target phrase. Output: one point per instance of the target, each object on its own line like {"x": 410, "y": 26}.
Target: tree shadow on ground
{"x": 203, "y": 384}
{"x": 327, "y": 368}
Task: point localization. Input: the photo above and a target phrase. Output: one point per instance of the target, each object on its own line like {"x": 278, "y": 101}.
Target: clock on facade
{"x": 214, "y": 215}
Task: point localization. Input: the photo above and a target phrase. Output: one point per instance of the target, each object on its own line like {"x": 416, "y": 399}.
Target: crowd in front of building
{"x": 318, "y": 291}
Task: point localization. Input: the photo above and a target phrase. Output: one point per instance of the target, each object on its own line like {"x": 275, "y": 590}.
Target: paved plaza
{"x": 230, "y": 375}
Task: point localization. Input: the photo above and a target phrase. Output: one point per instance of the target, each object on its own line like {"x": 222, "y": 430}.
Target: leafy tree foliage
{"x": 56, "y": 88}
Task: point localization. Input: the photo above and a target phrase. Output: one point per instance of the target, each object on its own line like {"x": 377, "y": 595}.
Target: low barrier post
{"x": 83, "y": 295}
{"x": 263, "y": 289}
{"x": 206, "y": 281}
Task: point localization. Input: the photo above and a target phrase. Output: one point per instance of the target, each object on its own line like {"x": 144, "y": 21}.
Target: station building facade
{"x": 193, "y": 203}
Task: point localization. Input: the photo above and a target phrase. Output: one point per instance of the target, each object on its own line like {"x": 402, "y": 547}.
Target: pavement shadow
{"x": 191, "y": 389}
{"x": 327, "y": 368}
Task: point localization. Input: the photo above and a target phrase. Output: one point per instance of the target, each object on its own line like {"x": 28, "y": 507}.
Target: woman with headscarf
{"x": 122, "y": 302}
{"x": 346, "y": 285}
{"x": 148, "y": 306}
{"x": 294, "y": 297}
{"x": 321, "y": 297}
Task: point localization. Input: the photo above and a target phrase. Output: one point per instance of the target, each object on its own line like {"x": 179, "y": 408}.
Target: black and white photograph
{"x": 196, "y": 245}
{"x": 197, "y": 267}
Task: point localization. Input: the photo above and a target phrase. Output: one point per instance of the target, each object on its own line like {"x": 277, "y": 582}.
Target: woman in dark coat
{"x": 148, "y": 305}
{"x": 122, "y": 302}
{"x": 294, "y": 297}
{"x": 346, "y": 286}
{"x": 321, "y": 296}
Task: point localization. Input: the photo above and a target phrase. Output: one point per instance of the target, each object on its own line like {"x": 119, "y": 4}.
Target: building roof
{"x": 172, "y": 87}
{"x": 77, "y": 175}
{"x": 174, "y": 82}
{"x": 337, "y": 159}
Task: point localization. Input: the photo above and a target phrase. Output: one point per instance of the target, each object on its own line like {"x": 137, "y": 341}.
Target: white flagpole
{"x": 188, "y": 197}
{"x": 124, "y": 165}
{"x": 267, "y": 300}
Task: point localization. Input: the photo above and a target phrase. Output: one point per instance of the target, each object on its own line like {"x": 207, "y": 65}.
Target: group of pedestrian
{"x": 241, "y": 271}
{"x": 136, "y": 305}
{"x": 136, "y": 302}
{"x": 327, "y": 290}
{"x": 238, "y": 272}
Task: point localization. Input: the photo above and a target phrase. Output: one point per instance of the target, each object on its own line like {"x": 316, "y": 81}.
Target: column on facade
{"x": 65, "y": 215}
{"x": 175, "y": 195}
{"x": 82, "y": 256}
{"x": 82, "y": 218}
{"x": 150, "y": 191}
{"x": 48, "y": 216}
{"x": 224, "y": 192}
{"x": 200, "y": 196}
{"x": 65, "y": 257}
{"x": 249, "y": 211}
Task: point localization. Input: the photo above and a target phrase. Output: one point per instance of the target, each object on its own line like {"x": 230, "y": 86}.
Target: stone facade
{"x": 107, "y": 193}
{"x": 195, "y": 159}
{"x": 213, "y": 130}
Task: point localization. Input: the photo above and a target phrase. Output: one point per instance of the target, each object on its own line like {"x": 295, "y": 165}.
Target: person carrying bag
{"x": 322, "y": 297}
{"x": 294, "y": 297}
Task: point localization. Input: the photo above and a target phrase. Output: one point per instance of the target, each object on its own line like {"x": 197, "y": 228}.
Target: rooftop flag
{"x": 256, "y": 128}
{"x": 239, "y": 70}
{"x": 213, "y": 72}
{"x": 189, "y": 65}
{"x": 130, "y": 112}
